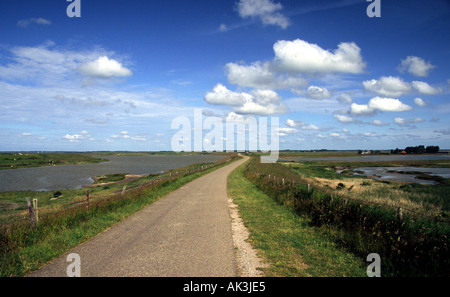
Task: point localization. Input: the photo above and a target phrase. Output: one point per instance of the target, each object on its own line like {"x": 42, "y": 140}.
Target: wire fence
{"x": 287, "y": 183}
{"x": 157, "y": 180}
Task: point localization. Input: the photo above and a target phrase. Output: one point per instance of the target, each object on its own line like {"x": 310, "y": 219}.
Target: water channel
{"x": 404, "y": 174}
{"x": 76, "y": 176}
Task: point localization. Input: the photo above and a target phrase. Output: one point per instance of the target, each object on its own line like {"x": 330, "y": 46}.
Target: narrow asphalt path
{"x": 184, "y": 234}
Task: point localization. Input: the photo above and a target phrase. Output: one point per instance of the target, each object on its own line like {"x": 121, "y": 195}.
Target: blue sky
{"x": 116, "y": 78}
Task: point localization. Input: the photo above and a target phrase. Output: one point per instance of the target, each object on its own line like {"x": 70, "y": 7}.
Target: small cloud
{"x": 369, "y": 134}
{"x": 425, "y": 88}
{"x": 123, "y": 135}
{"x": 265, "y": 10}
{"x": 104, "y": 67}
{"x": 259, "y": 102}
{"x": 380, "y": 104}
{"x": 387, "y": 86}
{"x": 25, "y": 134}
{"x": 84, "y": 135}
{"x": 338, "y": 135}
{"x": 139, "y": 138}
{"x": 304, "y": 57}
{"x": 416, "y": 66}
{"x": 39, "y": 21}
{"x": 345, "y": 98}
{"x": 301, "y": 125}
{"x": 318, "y": 93}
{"x": 378, "y": 123}
{"x": 287, "y": 130}
{"x": 223, "y": 28}
{"x": 407, "y": 123}
{"x": 344, "y": 119}
{"x": 361, "y": 109}
{"x": 420, "y": 102}
{"x": 388, "y": 104}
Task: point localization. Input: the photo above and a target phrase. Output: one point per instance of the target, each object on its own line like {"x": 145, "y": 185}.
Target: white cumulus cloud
{"x": 344, "y": 119}
{"x": 303, "y": 57}
{"x": 416, "y": 66}
{"x": 387, "y": 86}
{"x": 361, "y": 109}
{"x": 104, "y": 67}
{"x": 84, "y": 135}
{"x": 261, "y": 75}
{"x": 420, "y": 102}
{"x": 260, "y": 102}
{"x": 425, "y": 88}
{"x": 388, "y": 104}
{"x": 302, "y": 125}
{"x": 265, "y": 10}
{"x": 379, "y": 104}
{"x": 315, "y": 92}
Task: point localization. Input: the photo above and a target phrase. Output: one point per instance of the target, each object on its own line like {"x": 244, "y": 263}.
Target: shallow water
{"x": 76, "y": 176}
{"x": 391, "y": 173}
{"x": 383, "y": 158}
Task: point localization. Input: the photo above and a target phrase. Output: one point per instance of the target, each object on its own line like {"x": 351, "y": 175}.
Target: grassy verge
{"x": 286, "y": 240}
{"x": 430, "y": 200}
{"x": 24, "y": 249}
{"x": 411, "y": 245}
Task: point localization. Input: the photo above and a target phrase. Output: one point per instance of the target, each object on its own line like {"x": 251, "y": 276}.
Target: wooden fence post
{"x": 308, "y": 187}
{"x": 87, "y": 200}
{"x": 400, "y": 213}
{"x": 31, "y": 212}
{"x": 123, "y": 190}
{"x": 35, "y": 211}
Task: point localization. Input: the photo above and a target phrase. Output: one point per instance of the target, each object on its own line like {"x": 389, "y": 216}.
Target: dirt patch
{"x": 128, "y": 178}
{"x": 248, "y": 262}
{"x": 9, "y": 205}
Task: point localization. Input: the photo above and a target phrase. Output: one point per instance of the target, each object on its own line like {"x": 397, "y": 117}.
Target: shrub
{"x": 340, "y": 186}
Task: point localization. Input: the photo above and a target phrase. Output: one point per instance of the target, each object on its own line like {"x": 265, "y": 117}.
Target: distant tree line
{"x": 417, "y": 150}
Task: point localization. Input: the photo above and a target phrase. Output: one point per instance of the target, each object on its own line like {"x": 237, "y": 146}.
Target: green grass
{"x": 416, "y": 245}
{"x": 428, "y": 199}
{"x": 286, "y": 240}
{"x": 111, "y": 178}
{"x": 24, "y": 249}
{"x": 24, "y": 160}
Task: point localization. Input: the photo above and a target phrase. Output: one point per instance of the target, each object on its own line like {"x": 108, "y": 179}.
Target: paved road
{"x": 184, "y": 234}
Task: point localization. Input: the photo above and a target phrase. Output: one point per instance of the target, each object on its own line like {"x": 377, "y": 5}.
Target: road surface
{"x": 184, "y": 234}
